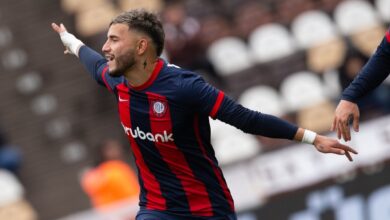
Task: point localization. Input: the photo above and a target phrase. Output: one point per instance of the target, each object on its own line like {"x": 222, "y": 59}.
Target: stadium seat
{"x": 11, "y": 189}
{"x": 152, "y": 5}
{"x": 75, "y": 6}
{"x": 312, "y": 28}
{"x": 19, "y": 210}
{"x": 236, "y": 148}
{"x": 44, "y": 104}
{"x": 271, "y": 42}
{"x": 301, "y": 90}
{"x": 57, "y": 128}
{"x": 355, "y": 15}
{"x": 231, "y": 144}
{"x": 5, "y": 36}
{"x": 332, "y": 84}
{"x": 29, "y": 83}
{"x": 317, "y": 118}
{"x": 383, "y": 8}
{"x": 14, "y": 59}
{"x": 229, "y": 55}
{"x": 264, "y": 99}
{"x": 327, "y": 55}
{"x": 367, "y": 40}
{"x": 95, "y": 20}
{"x": 73, "y": 152}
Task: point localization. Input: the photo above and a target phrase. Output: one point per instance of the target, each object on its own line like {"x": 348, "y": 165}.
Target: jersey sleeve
{"x": 205, "y": 98}
{"x": 209, "y": 100}
{"x": 374, "y": 72}
{"x": 96, "y": 66}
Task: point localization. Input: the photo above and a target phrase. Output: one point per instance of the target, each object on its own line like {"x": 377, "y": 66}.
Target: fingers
{"x": 334, "y": 151}
{"x": 327, "y": 145}
{"x": 356, "y": 122}
{"x": 346, "y": 148}
{"x": 348, "y": 155}
{"x": 343, "y": 130}
{"x": 55, "y": 27}
{"x": 58, "y": 29}
{"x": 346, "y": 131}
{"x": 62, "y": 26}
{"x": 334, "y": 124}
{"x": 339, "y": 129}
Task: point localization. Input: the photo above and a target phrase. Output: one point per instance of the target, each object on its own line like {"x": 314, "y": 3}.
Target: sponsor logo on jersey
{"x": 159, "y": 137}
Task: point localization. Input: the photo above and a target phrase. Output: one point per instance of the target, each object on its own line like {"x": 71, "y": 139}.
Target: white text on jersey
{"x": 137, "y": 133}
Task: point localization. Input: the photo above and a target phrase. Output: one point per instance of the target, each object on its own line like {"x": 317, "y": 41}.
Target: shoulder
{"x": 183, "y": 76}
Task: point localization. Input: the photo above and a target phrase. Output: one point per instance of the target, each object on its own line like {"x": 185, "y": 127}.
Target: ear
{"x": 142, "y": 46}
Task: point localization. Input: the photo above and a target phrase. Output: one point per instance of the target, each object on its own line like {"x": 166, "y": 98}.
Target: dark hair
{"x": 145, "y": 22}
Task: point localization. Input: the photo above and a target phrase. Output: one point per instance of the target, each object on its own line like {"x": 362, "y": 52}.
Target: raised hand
{"x": 71, "y": 43}
{"x": 58, "y": 28}
{"x": 345, "y": 112}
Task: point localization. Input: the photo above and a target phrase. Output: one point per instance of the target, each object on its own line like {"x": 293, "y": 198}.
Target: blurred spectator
{"x": 112, "y": 180}
{"x": 352, "y": 64}
{"x": 10, "y": 157}
{"x": 251, "y": 14}
{"x": 329, "y": 5}
{"x": 287, "y": 10}
{"x": 181, "y": 35}
{"x": 182, "y": 40}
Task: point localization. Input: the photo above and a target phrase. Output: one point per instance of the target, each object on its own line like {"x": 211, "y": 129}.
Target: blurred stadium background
{"x": 290, "y": 58}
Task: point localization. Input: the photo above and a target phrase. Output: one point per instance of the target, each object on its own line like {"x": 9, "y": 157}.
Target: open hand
{"x": 328, "y": 145}
{"x": 345, "y": 112}
{"x": 60, "y": 29}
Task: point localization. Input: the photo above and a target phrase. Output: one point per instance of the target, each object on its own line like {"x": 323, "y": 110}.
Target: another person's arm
{"x": 372, "y": 74}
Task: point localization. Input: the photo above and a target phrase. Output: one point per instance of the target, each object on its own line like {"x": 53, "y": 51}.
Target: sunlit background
{"x": 289, "y": 58}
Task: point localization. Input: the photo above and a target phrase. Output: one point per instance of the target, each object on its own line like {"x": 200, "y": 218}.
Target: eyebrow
{"x": 112, "y": 36}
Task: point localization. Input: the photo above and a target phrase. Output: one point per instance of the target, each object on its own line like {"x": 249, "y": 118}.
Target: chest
{"x": 148, "y": 109}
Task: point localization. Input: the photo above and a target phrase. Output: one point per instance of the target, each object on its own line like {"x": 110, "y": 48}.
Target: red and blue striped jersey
{"x": 167, "y": 123}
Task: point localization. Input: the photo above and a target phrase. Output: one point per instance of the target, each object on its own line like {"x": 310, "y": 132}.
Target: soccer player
{"x": 164, "y": 110}
{"x": 372, "y": 74}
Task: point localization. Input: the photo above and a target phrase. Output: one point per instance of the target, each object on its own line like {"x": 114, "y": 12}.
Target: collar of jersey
{"x": 156, "y": 71}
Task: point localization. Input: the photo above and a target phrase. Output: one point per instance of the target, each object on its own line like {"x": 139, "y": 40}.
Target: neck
{"x": 141, "y": 71}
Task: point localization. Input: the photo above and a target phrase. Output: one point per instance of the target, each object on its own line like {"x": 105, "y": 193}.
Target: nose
{"x": 106, "y": 47}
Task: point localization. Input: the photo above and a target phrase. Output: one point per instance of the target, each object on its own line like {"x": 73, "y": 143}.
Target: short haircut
{"x": 145, "y": 22}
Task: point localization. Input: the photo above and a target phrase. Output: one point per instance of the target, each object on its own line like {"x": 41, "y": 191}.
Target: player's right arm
{"x": 95, "y": 63}
{"x": 373, "y": 73}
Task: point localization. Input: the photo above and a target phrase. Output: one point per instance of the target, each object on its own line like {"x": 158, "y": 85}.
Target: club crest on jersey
{"x": 159, "y": 108}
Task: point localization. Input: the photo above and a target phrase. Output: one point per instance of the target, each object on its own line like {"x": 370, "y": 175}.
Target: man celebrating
{"x": 373, "y": 73}
{"x": 164, "y": 111}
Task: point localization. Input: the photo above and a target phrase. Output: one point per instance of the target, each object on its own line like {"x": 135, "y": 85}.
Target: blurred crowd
{"x": 289, "y": 58}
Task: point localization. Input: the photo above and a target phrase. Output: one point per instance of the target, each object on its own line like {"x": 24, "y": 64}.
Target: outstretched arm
{"x": 373, "y": 73}
{"x": 270, "y": 126}
{"x": 92, "y": 61}
{"x": 209, "y": 100}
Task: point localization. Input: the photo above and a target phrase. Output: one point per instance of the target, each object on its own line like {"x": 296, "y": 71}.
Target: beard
{"x": 123, "y": 63}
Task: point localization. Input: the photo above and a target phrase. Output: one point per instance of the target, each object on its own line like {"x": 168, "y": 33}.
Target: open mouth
{"x": 109, "y": 57}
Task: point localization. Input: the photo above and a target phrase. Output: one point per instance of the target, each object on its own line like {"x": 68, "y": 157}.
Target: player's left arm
{"x": 209, "y": 100}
